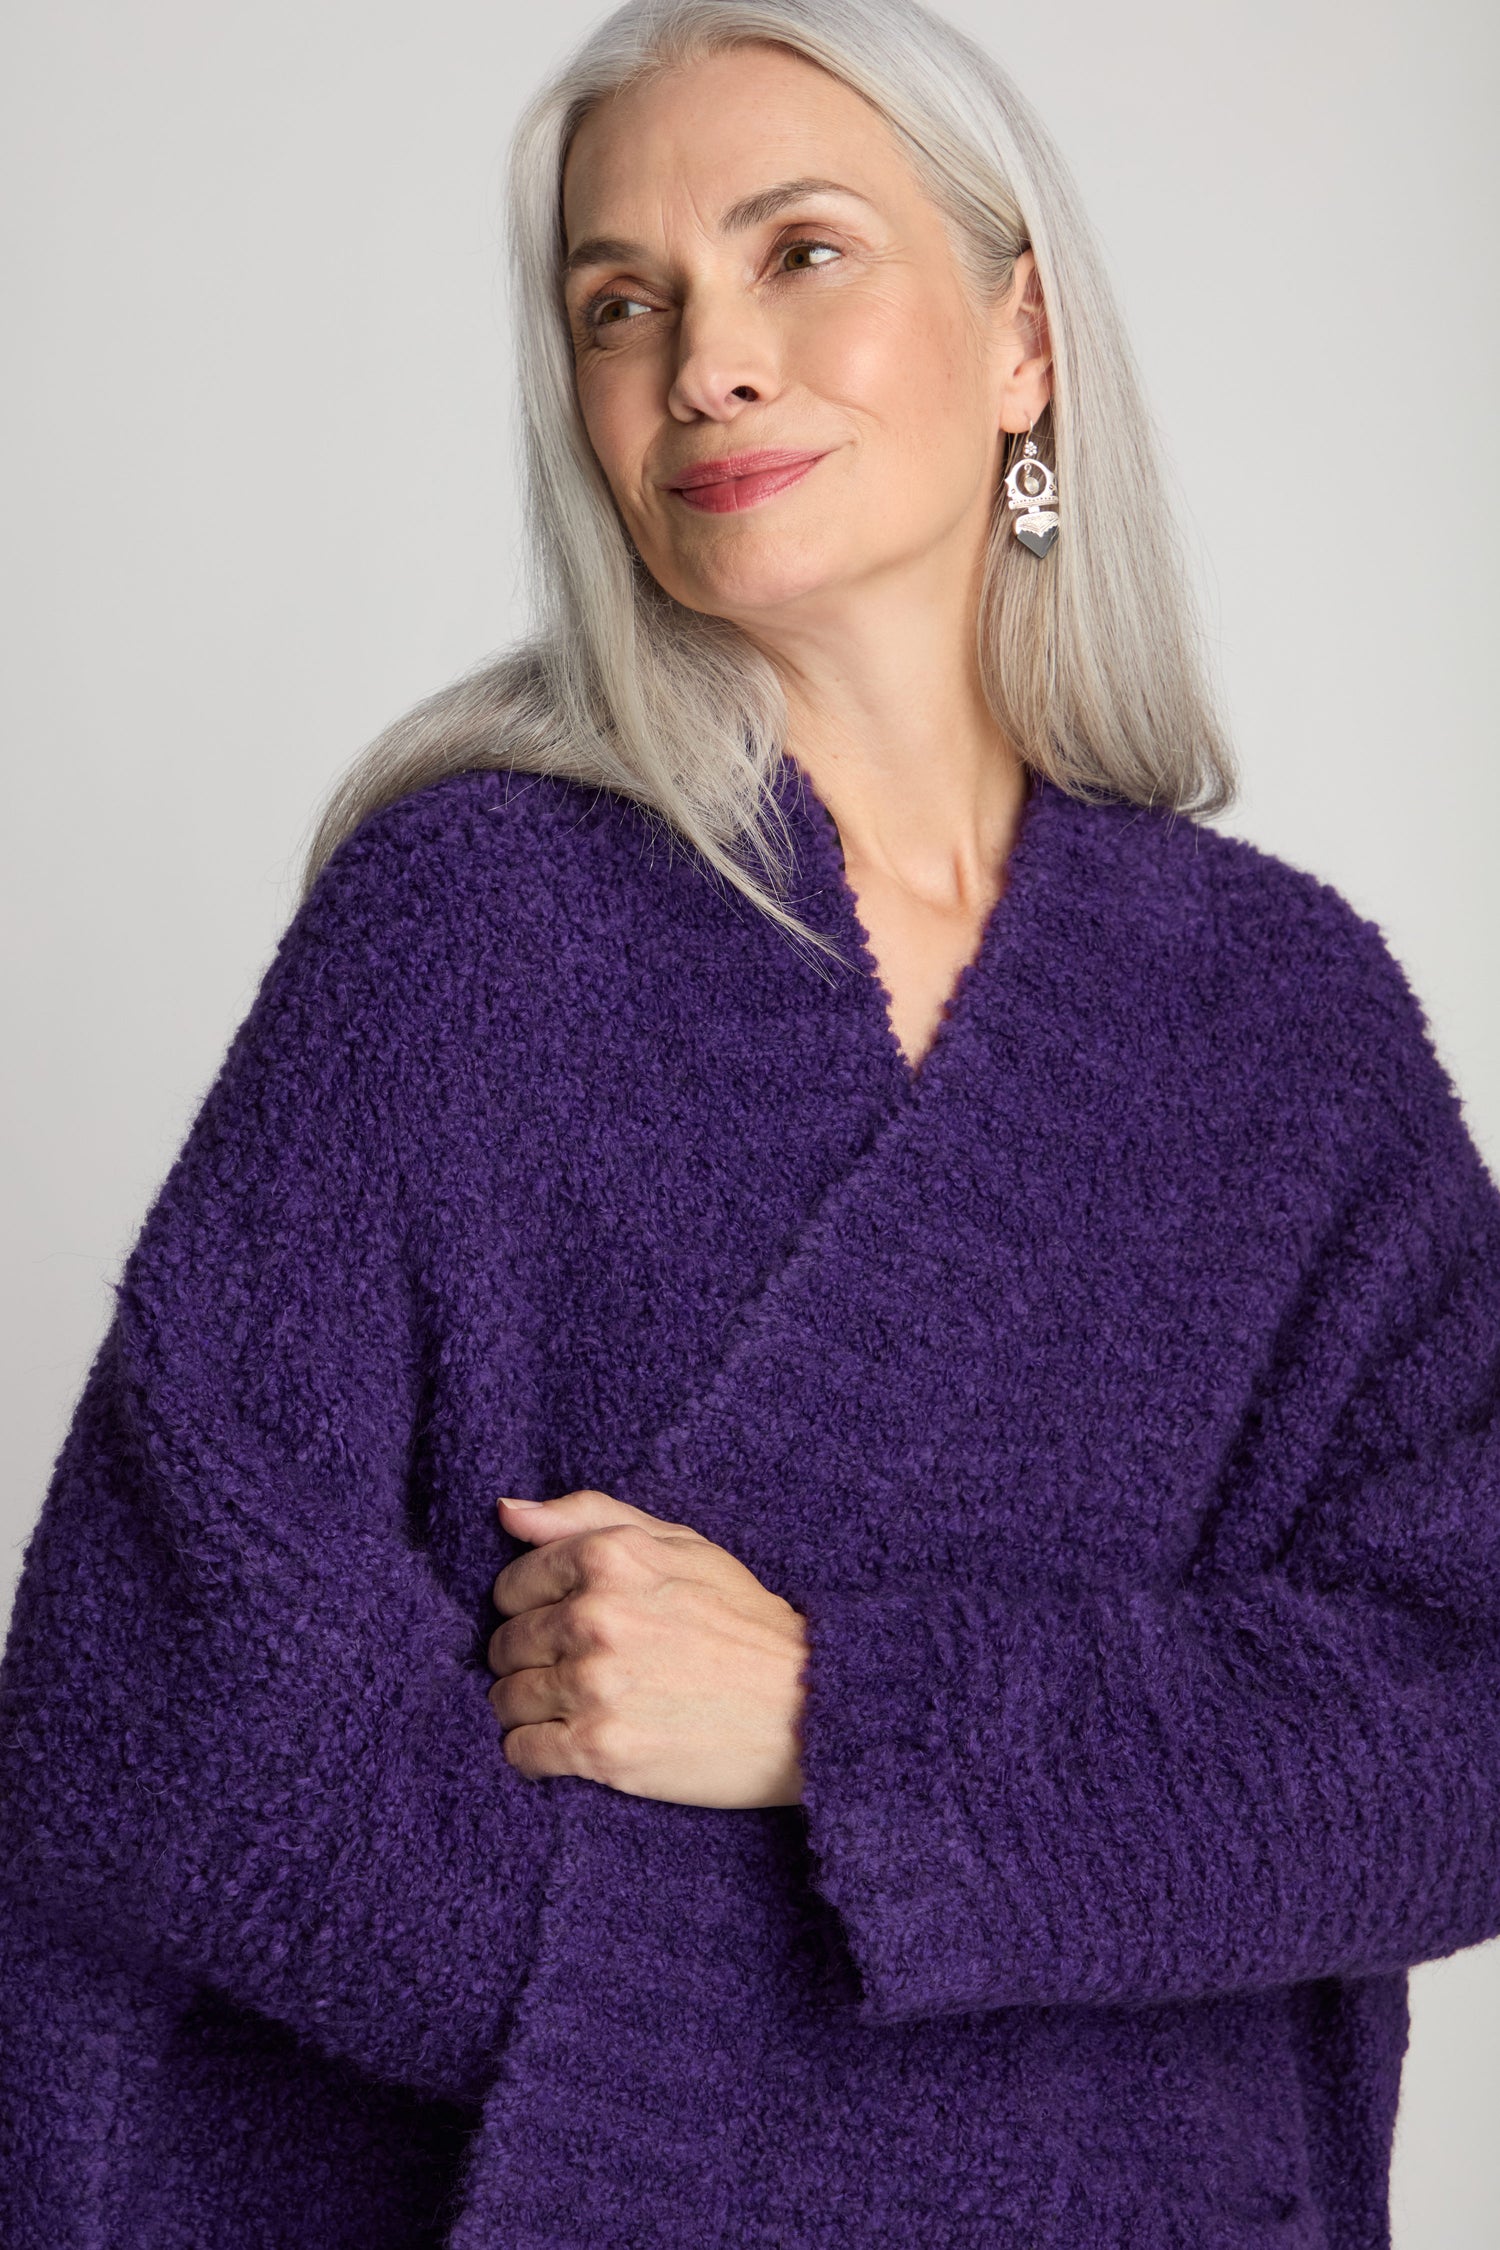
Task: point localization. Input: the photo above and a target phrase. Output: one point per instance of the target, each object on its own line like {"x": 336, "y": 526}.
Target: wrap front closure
{"x": 1012, "y": 945}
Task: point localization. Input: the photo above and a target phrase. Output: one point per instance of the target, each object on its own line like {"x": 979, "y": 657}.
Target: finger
{"x": 583, "y": 1510}
{"x": 532, "y": 1636}
{"x": 537, "y": 1751}
{"x": 530, "y": 1697}
{"x": 545, "y": 1574}
{"x": 553, "y": 1569}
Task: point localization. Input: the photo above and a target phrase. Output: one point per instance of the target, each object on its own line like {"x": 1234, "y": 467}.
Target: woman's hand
{"x": 637, "y": 1653}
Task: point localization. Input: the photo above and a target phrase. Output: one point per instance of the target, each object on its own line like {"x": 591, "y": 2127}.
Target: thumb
{"x": 583, "y": 1510}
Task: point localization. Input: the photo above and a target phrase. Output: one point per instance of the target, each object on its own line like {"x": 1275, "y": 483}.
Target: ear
{"x": 1023, "y": 342}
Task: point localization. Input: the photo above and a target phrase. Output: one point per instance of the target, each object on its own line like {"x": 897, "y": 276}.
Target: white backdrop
{"x": 257, "y": 427}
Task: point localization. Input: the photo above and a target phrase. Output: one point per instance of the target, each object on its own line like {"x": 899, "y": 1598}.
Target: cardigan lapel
{"x": 910, "y": 1249}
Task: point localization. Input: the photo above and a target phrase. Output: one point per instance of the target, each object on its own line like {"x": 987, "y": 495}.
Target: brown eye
{"x": 592, "y": 314}
{"x": 788, "y": 247}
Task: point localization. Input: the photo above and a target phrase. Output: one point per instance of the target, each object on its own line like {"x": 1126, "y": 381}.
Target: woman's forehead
{"x": 706, "y": 132}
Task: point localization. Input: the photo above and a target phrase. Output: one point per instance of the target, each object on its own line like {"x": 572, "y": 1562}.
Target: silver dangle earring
{"x": 1032, "y": 484}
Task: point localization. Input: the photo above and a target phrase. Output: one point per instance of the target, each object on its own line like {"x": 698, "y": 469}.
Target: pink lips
{"x": 739, "y": 480}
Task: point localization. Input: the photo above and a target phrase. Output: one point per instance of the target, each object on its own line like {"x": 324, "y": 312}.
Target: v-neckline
{"x": 805, "y": 808}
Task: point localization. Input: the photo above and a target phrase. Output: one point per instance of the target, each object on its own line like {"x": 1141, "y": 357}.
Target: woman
{"x": 789, "y": 1558}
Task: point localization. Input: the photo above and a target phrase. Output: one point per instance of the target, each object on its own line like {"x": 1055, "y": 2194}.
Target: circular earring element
{"x": 1031, "y": 485}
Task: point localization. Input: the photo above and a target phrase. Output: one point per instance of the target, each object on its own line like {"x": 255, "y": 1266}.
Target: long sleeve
{"x": 244, "y": 1736}
{"x": 1285, "y": 1765}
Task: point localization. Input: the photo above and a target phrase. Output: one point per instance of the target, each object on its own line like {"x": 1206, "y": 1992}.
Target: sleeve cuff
{"x": 892, "y": 1848}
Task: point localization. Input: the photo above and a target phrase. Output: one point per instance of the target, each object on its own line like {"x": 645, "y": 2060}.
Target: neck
{"x": 886, "y": 714}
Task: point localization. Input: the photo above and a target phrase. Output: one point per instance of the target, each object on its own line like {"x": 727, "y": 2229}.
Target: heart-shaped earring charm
{"x": 1037, "y": 533}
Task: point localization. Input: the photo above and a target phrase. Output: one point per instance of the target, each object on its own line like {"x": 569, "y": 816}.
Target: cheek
{"x": 910, "y": 372}
{"x": 618, "y": 416}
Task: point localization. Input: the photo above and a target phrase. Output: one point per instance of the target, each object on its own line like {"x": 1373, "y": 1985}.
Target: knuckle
{"x": 607, "y": 1741}
{"x": 593, "y": 1621}
{"x": 614, "y": 1549}
{"x": 595, "y": 1682}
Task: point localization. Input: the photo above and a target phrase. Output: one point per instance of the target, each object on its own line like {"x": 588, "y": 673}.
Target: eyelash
{"x": 587, "y": 312}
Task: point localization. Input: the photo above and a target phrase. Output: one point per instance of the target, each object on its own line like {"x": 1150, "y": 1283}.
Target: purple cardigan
{"x": 1117, "y": 1398}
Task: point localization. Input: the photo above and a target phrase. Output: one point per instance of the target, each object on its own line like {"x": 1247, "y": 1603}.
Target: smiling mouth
{"x": 750, "y": 478}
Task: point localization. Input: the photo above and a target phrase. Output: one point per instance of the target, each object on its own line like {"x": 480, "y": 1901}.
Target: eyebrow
{"x": 750, "y": 211}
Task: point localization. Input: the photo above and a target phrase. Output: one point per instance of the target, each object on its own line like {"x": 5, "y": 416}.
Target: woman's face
{"x": 830, "y": 321}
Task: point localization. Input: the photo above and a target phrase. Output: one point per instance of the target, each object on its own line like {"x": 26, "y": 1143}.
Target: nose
{"x": 726, "y": 358}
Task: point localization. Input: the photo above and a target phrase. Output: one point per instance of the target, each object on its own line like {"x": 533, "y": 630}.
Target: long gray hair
{"x": 1091, "y": 658}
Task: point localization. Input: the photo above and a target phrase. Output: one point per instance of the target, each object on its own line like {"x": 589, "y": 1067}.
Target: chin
{"x": 755, "y": 585}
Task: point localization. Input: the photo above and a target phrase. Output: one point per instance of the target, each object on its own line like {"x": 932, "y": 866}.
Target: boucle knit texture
{"x": 1116, "y": 1396}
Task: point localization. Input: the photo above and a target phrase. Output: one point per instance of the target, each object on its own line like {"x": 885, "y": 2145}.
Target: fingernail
{"x": 509, "y": 1500}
